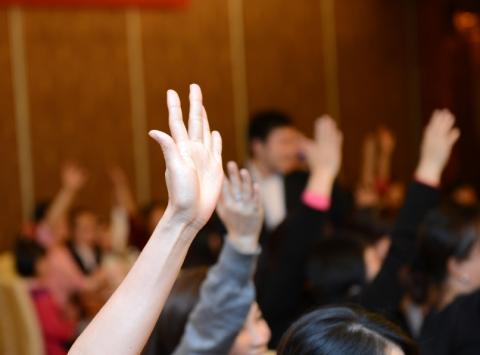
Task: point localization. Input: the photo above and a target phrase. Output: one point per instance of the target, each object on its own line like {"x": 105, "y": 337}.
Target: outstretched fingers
{"x": 175, "y": 119}
{"x": 195, "y": 118}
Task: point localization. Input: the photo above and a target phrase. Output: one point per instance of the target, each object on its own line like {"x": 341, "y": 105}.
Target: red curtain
{"x": 108, "y": 3}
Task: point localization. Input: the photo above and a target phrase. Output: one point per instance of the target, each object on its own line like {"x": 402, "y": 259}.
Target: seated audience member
{"x": 450, "y": 256}
{"x": 194, "y": 178}
{"x": 84, "y": 244}
{"x": 58, "y": 327}
{"x": 51, "y": 218}
{"x": 361, "y": 276}
{"x": 346, "y": 331}
{"x": 219, "y": 316}
{"x": 275, "y": 148}
{"x": 277, "y": 162}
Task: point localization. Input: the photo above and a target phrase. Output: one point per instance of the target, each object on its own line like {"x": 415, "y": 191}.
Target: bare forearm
{"x": 60, "y": 205}
{"x": 125, "y": 322}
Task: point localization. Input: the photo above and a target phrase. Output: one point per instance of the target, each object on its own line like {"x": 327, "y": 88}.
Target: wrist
{"x": 320, "y": 183}
{"x": 244, "y": 244}
{"x": 428, "y": 174}
{"x": 174, "y": 219}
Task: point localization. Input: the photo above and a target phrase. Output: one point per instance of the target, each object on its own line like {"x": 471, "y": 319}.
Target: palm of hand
{"x": 242, "y": 217}
{"x": 193, "y": 159}
{"x": 196, "y": 186}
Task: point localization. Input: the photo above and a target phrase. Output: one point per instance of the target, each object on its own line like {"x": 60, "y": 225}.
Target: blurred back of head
{"x": 346, "y": 331}
{"x": 28, "y": 254}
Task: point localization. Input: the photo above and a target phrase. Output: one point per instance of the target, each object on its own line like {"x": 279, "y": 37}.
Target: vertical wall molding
{"x": 239, "y": 74}
{"x": 413, "y": 68}
{"x": 138, "y": 104}
{"x": 329, "y": 43}
{"x": 21, "y": 108}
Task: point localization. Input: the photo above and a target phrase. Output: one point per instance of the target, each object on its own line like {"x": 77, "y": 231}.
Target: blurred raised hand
{"x": 324, "y": 155}
{"x": 240, "y": 209}
{"x": 439, "y": 137}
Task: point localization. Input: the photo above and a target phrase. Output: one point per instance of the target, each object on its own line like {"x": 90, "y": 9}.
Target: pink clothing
{"x": 57, "y": 330}
{"x": 316, "y": 201}
{"x": 64, "y": 277}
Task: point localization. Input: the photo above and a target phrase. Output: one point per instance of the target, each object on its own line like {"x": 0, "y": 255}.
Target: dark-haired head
{"x": 40, "y": 211}
{"x": 340, "y": 267}
{"x": 170, "y": 326}
{"x": 185, "y": 294}
{"x": 28, "y": 256}
{"x": 346, "y": 331}
{"x": 336, "y": 270}
{"x": 449, "y": 251}
{"x": 84, "y": 226}
{"x": 274, "y": 142}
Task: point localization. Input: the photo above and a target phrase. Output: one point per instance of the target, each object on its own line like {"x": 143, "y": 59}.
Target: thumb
{"x": 169, "y": 148}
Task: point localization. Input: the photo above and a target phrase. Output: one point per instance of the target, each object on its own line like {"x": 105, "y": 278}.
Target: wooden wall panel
{"x": 374, "y": 76}
{"x": 284, "y": 58}
{"x": 181, "y": 48}
{"x": 10, "y": 210}
{"x": 80, "y": 99}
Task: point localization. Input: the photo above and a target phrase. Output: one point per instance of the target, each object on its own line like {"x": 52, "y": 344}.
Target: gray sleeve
{"x": 225, "y": 300}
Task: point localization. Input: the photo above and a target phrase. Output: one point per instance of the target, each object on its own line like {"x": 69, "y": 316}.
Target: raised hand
{"x": 73, "y": 176}
{"x": 240, "y": 209}
{"x": 438, "y": 140}
{"x": 193, "y": 160}
{"x": 324, "y": 155}
{"x": 386, "y": 141}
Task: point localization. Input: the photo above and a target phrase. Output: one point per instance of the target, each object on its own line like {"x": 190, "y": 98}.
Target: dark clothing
{"x": 455, "y": 330}
{"x": 281, "y": 285}
{"x": 79, "y": 261}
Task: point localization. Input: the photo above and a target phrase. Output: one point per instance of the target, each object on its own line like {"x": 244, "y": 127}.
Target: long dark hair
{"x": 447, "y": 232}
{"x": 346, "y": 330}
{"x": 170, "y": 326}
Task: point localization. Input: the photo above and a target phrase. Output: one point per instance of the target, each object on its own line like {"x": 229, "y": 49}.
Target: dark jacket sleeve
{"x": 384, "y": 293}
{"x": 282, "y": 282}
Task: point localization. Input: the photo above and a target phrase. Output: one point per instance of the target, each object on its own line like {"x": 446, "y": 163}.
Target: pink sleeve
{"x": 316, "y": 201}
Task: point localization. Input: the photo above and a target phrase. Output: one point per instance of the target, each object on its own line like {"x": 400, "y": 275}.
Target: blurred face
{"x": 85, "y": 228}
{"x": 280, "y": 153}
{"x": 467, "y": 272}
{"x": 254, "y": 337}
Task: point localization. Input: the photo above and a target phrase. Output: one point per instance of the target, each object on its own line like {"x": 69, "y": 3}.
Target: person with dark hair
{"x": 222, "y": 317}
{"x": 58, "y": 327}
{"x": 449, "y": 255}
{"x": 51, "y": 218}
{"x": 378, "y": 287}
{"x": 84, "y": 244}
{"x": 346, "y": 331}
{"x": 275, "y": 153}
